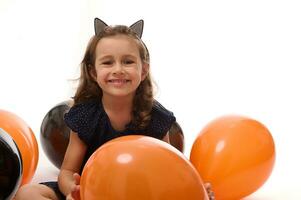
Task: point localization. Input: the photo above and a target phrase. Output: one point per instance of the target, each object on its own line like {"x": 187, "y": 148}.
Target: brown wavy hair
{"x": 89, "y": 89}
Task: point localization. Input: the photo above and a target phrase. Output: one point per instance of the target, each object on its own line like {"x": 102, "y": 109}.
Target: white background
{"x": 208, "y": 58}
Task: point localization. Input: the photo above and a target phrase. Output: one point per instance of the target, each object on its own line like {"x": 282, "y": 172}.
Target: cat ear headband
{"x": 137, "y": 27}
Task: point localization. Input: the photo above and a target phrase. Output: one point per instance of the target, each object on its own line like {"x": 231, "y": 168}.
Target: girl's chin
{"x": 120, "y": 94}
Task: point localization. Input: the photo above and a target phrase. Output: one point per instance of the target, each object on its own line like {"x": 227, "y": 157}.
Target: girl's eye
{"x": 128, "y": 62}
{"x": 107, "y": 63}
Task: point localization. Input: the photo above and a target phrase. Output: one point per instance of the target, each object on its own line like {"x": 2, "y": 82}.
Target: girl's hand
{"x": 75, "y": 188}
{"x": 209, "y": 191}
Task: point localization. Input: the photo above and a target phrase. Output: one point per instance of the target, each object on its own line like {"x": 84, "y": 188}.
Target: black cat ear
{"x": 99, "y": 26}
{"x": 137, "y": 27}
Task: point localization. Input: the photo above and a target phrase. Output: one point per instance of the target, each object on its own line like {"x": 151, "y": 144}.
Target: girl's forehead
{"x": 117, "y": 43}
{"x": 120, "y": 38}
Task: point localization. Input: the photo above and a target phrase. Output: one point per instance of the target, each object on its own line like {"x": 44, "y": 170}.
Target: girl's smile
{"x": 118, "y": 82}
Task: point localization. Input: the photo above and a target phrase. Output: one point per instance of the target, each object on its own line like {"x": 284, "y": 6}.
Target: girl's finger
{"x": 76, "y": 178}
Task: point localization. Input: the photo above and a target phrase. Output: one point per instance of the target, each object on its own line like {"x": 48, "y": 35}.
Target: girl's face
{"x": 118, "y": 66}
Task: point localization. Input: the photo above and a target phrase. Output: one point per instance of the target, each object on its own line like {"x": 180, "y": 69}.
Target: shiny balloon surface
{"x": 140, "y": 167}
{"x": 176, "y": 137}
{"x": 54, "y": 135}
{"x": 10, "y": 166}
{"x": 235, "y": 154}
{"x": 26, "y": 141}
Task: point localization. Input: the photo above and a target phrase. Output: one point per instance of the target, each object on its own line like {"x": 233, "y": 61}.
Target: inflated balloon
{"x": 10, "y": 166}
{"x": 140, "y": 167}
{"x": 54, "y": 134}
{"x": 176, "y": 137}
{"x": 235, "y": 154}
{"x": 25, "y": 140}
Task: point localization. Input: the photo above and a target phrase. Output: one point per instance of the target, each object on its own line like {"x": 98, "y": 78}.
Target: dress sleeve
{"x": 161, "y": 121}
{"x": 83, "y": 119}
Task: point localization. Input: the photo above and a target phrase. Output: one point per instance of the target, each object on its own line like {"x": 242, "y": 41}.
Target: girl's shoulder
{"x": 161, "y": 120}
{"x": 160, "y": 111}
{"x": 88, "y": 106}
{"x": 85, "y": 111}
{"x": 83, "y": 118}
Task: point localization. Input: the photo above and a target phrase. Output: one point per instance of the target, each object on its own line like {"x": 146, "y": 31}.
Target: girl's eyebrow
{"x": 130, "y": 55}
{"x": 104, "y": 57}
{"x": 109, "y": 56}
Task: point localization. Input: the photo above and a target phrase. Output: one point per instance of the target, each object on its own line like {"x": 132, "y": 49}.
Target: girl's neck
{"x": 120, "y": 105}
{"x": 118, "y": 110}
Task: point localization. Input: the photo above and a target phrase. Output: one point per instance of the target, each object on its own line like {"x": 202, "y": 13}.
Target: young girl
{"x": 114, "y": 98}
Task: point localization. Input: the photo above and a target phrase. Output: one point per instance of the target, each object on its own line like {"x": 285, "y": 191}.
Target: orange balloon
{"x": 235, "y": 154}
{"x": 140, "y": 167}
{"x": 25, "y": 140}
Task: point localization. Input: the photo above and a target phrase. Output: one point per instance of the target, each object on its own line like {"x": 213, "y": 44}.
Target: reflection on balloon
{"x": 140, "y": 167}
{"x": 235, "y": 154}
{"x": 10, "y": 166}
{"x": 25, "y": 140}
{"x": 54, "y": 135}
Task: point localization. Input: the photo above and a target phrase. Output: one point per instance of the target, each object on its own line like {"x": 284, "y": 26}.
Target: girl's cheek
{"x": 102, "y": 71}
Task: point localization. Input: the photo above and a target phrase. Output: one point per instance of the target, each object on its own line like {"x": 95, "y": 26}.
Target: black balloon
{"x": 176, "y": 137}
{"x": 10, "y": 166}
{"x": 54, "y": 134}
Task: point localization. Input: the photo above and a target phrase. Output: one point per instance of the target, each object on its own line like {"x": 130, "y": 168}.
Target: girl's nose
{"x": 118, "y": 69}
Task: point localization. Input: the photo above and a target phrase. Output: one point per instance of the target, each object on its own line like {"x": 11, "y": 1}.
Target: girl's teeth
{"x": 118, "y": 81}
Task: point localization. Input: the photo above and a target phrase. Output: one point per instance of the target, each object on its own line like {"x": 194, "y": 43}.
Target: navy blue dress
{"x": 90, "y": 121}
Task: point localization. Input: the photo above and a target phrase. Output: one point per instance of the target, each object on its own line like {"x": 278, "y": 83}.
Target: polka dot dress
{"x": 90, "y": 121}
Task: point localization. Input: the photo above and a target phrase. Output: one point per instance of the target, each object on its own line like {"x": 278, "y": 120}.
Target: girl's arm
{"x": 72, "y": 163}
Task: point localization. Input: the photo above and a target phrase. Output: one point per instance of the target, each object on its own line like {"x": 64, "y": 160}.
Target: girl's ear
{"x": 145, "y": 70}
